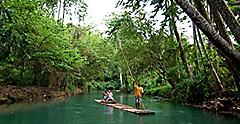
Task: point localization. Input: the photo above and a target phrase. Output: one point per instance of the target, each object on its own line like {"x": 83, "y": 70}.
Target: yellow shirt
{"x": 138, "y": 91}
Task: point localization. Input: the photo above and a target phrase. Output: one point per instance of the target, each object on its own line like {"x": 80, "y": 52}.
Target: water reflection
{"x": 139, "y": 120}
{"x": 107, "y": 109}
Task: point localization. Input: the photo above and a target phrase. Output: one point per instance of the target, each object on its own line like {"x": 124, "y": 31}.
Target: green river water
{"x": 83, "y": 110}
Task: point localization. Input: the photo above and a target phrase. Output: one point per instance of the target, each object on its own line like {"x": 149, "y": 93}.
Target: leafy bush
{"x": 194, "y": 90}
{"x": 71, "y": 87}
{"x": 163, "y": 91}
{"x": 101, "y": 85}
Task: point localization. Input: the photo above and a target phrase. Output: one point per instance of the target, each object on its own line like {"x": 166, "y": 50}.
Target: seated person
{"x": 109, "y": 96}
{"x": 104, "y": 97}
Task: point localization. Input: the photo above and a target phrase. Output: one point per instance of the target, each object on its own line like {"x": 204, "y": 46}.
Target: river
{"x": 83, "y": 110}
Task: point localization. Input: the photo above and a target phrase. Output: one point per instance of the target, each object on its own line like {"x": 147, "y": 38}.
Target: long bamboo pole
{"x": 129, "y": 69}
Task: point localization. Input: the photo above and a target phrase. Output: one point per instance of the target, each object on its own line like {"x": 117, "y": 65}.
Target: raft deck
{"x": 126, "y": 108}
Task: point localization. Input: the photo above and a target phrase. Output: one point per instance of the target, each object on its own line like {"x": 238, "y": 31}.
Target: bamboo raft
{"x": 126, "y": 108}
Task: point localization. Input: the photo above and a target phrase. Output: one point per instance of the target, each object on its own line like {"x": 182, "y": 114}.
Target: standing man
{"x": 138, "y": 90}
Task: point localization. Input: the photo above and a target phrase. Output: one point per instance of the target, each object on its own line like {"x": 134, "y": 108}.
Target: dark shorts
{"x": 137, "y": 99}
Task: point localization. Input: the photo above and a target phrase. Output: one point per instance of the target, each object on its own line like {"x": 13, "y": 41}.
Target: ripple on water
{"x": 78, "y": 108}
{"x": 181, "y": 112}
{"x": 78, "y": 112}
{"x": 78, "y": 104}
{"x": 158, "y": 111}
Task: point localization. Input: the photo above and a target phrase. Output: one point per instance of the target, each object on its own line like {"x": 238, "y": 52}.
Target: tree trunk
{"x": 209, "y": 31}
{"x": 64, "y": 9}
{"x": 220, "y": 43}
{"x": 214, "y": 72}
{"x": 1, "y": 13}
{"x": 196, "y": 46}
{"x": 195, "y": 37}
{"x": 120, "y": 78}
{"x": 59, "y": 8}
{"x": 228, "y": 17}
{"x": 181, "y": 48}
{"x": 199, "y": 4}
{"x": 223, "y": 32}
{"x": 220, "y": 24}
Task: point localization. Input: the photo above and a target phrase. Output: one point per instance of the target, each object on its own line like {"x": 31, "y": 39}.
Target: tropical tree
{"x": 36, "y": 49}
{"x": 201, "y": 19}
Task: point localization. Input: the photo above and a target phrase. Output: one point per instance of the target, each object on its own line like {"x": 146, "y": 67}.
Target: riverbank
{"x": 226, "y": 106}
{"x": 12, "y": 94}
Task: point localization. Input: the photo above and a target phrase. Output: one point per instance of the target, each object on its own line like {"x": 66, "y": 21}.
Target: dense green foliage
{"x": 199, "y": 76}
{"x": 154, "y": 59}
{"x": 38, "y": 50}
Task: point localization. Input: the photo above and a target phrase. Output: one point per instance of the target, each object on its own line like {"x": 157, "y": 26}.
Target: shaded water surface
{"x": 83, "y": 110}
